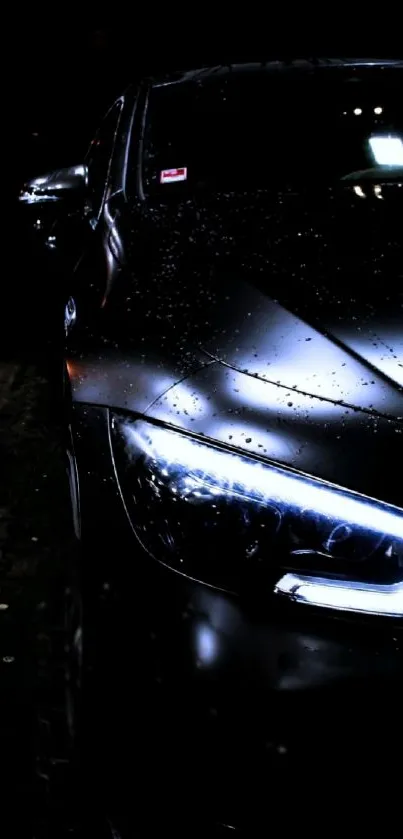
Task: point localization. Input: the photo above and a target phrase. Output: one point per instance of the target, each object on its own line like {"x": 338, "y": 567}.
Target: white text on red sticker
{"x": 169, "y": 176}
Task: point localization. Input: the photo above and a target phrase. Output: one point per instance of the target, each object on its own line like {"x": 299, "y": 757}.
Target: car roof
{"x": 289, "y": 65}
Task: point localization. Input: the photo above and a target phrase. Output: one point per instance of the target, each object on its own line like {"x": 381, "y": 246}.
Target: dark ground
{"x": 34, "y": 545}
{"x": 36, "y": 557}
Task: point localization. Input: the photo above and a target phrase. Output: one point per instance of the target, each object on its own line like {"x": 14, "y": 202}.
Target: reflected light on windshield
{"x": 387, "y": 151}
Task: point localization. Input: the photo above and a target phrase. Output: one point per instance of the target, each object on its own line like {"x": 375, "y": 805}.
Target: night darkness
{"x": 59, "y": 82}
{"x": 65, "y": 76}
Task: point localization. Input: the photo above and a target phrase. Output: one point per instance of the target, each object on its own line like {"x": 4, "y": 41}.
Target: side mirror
{"x": 62, "y": 184}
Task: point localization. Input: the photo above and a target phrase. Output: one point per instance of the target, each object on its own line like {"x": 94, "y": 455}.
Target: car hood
{"x": 273, "y": 322}
{"x": 281, "y": 285}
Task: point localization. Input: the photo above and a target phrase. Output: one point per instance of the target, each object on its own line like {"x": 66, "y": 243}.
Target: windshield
{"x": 273, "y": 129}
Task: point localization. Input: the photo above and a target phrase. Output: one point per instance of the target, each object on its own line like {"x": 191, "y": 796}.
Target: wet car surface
{"x": 235, "y": 416}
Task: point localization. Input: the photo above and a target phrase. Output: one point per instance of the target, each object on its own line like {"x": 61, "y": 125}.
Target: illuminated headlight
{"x": 218, "y": 515}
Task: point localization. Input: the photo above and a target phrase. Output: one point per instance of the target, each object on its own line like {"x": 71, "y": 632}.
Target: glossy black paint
{"x": 273, "y": 324}
{"x": 316, "y": 384}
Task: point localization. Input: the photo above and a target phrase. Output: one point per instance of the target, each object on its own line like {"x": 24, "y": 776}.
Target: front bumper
{"x": 227, "y": 704}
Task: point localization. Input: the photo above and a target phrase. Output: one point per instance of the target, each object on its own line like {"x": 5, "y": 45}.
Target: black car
{"x": 230, "y": 257}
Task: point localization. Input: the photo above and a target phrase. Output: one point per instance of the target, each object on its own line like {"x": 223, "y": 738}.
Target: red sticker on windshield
{"x": 169, "y": 176}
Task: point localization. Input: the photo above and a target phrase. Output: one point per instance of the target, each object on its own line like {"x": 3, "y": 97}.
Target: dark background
{"x": 60, "y": 74}
{"x": 67, "y": 71}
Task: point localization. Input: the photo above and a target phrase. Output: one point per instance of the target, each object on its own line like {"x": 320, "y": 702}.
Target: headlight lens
{"x": 215, "y": 514}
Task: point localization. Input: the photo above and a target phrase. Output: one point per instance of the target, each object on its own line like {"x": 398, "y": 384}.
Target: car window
{"x": 99, "y": 157}
{"x": 259, "y": 130}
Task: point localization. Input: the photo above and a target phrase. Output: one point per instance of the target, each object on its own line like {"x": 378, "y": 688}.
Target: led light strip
{"x": 268, "y": 482}
{"x": 348, "y": 596}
